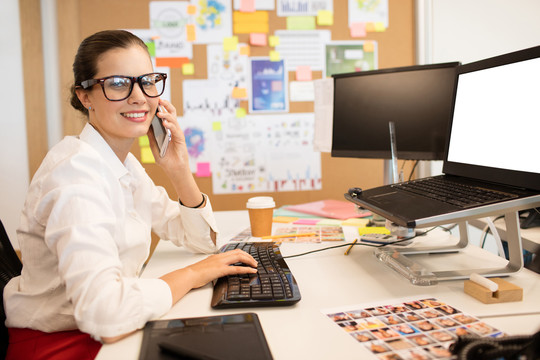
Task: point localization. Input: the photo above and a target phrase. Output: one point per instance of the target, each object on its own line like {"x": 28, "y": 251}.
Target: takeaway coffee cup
{"x": 261, "y": 210}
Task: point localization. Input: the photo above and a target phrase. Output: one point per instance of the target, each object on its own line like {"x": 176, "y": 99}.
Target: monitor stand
{"x": 399, "y": 259}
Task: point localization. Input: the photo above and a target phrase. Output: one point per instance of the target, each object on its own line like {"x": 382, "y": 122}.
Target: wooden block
{"x": 507, "y": 292}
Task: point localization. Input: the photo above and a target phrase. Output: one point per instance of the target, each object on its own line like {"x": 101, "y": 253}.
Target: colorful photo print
{"x": 418, "y": 329}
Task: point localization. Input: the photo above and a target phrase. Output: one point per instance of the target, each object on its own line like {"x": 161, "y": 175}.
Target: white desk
{"x": 302, "y": 331}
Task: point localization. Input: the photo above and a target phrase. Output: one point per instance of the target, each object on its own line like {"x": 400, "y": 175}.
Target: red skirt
{"x": 37, "y": 345}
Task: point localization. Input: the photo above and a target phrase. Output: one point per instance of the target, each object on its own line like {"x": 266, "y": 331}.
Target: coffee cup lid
{"x": 261, "y": 202}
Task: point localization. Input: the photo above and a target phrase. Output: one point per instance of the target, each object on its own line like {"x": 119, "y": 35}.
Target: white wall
{"x": 13, "y": 149}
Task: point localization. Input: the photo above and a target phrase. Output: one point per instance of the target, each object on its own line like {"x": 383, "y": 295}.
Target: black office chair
{"x": 10, "y": 266}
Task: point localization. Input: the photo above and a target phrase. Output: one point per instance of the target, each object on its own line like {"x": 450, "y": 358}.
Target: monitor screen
{"x": 418, "y": 99}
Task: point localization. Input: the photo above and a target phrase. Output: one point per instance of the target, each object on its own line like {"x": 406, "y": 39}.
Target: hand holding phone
{"x": 161, "y": 134}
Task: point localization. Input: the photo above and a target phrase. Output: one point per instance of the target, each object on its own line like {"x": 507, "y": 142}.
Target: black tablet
{"x": 237, "y": 336}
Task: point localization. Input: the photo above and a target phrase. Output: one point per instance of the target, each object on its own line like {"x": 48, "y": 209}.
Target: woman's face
{"x": 120, "y": 122}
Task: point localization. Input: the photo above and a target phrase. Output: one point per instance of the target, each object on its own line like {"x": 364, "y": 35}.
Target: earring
{"x": 90, "y": 108}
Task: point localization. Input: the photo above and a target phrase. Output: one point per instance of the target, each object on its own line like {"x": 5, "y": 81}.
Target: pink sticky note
{"x": 257, "y": 39}
{"x": 247, "y": 5}
{"x": 358, "y": 29}
{"x": 276, "y": 85}
{"x": 303, "y": 73}
{"x": 203, "y": 169}
{"x": 307, "y": 221}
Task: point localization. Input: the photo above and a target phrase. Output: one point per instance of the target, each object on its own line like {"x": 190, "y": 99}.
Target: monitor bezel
{"x": 520, "y": 179}
{"x": 386, "y": 154}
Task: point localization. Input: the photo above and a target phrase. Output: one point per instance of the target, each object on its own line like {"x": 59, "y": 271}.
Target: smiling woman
{"x": 91, "y": 207}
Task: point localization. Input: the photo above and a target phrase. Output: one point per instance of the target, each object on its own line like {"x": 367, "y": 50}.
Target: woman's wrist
{"x": 196, "y": 206}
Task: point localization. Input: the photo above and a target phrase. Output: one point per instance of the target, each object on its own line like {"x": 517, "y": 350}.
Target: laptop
{"x": 492, "y": 146}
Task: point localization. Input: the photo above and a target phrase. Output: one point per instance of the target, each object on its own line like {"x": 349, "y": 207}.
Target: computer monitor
{"x": 418, "y": 99}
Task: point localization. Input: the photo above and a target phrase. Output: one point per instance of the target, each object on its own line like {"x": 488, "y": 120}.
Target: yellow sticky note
{"x": 230, "y": 43}
{"x": 146, "y": 155}
{"x": 370, "y": 27}
{"x": 190, "y": 32}
{"x": 244, "y": 50}
{"x": 240, "y": 112}
{"x": 379, "y": 27}
{"x": 358, "y": 222}
{"x": 216, "y": 126}
{"x": 273, "y": 40}
{"x": 325, "y": 18}
{"x": 274, "y": 55}
{"x": 143, "y": 141}
{"x": 239, "y": 93}
{"x": 369, "y": 46}
{"x": 192, "y": 9}
{"x": 373, "y": 230}
{"x": 284, "y": 219}
{"x": 301, "y": 23}
{"x": 188, "y": 69}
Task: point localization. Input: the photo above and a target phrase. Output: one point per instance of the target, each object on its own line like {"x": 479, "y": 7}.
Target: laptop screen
{"x": 496, "y": 120}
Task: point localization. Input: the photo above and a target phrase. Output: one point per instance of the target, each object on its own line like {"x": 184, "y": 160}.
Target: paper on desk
{"x": 324, "y": 112}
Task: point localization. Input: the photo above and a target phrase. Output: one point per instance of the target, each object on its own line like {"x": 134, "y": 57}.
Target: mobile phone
{"x": 161, "y": 134}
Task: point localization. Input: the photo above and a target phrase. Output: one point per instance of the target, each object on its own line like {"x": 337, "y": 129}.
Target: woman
{"x": 90, "y": 209}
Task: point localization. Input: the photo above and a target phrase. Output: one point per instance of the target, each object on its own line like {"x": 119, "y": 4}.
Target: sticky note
{"x": 239, "y": 93}
{"x": 300, "y": 23}
{"x": 257, "y": 39}
{"x": 143, "y": 141}
{"x": 276, "y": 85}
{"x": 172, "y": 62}
{"x": 190, "y": 32}
{"x": 303, "y": 73}
{"x": 216, "y": 126}
{"x": 284, "y": 219}
{"x": 250, "y": 22}
{"x": 273, "y": 40}
{"x": 355, "y": 222}
{"x": 191, "y": 9}
{"x": 188, "y": 69}
{"x": 146, "y": 155}
{"x": 244, "y": 50}
{"x": 379, "y": 27}
{"x": 370, "y": 27}
{"x": 230, "y": 43}
{"x": 330, "y": 222}
{"x": 325, "y": 18}
{"x": 247, "y": 5}
{"x": 274, "y": 55}
{"x": 358, "y": 29}
{"x": 240, "y": 112}
{"x": 373, "y": 230}
{"x": 151, "y": 48}
{"x": 307, "y": 221}
{"x": 203, "y": 169}
{"x": 369, "y": 46}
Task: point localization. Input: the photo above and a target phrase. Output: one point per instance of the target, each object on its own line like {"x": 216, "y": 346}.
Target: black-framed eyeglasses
{"x": 119, "y": 87}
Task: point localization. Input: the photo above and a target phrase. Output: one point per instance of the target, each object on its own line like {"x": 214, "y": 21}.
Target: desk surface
{"x": 302, "y": 330}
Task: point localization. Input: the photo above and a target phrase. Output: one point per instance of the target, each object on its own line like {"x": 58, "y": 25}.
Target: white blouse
{"x": 85, "y": 234}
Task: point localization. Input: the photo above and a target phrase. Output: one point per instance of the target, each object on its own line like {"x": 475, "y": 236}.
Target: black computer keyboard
{"x": 272, "y": 285}
{"x": 452, "y": 192}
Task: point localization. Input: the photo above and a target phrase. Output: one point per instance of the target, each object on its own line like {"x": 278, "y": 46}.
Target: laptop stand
{"x": 400, "y": 260}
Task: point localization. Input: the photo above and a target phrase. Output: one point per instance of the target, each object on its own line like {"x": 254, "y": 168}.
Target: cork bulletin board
{"x": 396, "y": 47}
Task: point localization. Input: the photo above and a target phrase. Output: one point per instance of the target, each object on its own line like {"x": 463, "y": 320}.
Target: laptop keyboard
{"x": 452, "y": 192}
{"x": 272, "y": 285}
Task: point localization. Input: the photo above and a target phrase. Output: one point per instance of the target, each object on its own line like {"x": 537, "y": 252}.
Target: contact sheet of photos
{"x": 417, "y": 329}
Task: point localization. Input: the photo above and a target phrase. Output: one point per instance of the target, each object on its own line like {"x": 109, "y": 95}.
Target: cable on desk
{"x": 361, "y": 244}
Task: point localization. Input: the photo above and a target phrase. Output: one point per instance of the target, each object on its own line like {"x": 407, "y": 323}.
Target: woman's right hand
{"x": 181, "y": 281}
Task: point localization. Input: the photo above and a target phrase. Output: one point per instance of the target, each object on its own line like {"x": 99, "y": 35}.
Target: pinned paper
{"x": 203, "y": 169}
{"x": 369, "y": 46}
{"x": 301, "y": 23}
{"x": 274, "y": 55}
{"x": 239, "y": 93}
{"x": 273, "y": 40}
{"x": 240, "y": 112}
{"x": 325, "y": 18}
{"x": 244, "y": 50}
{"x": 190, "y": 32}
{"x": 192, "y": 9}
{"x": 303, "y": 73}
{"x": 257, "y": 39}
{"x": 230, "y": 43}
{"x": 247, "y": 5}
{"x": 146, "y": 155}
{"x": 143, "y": 141}
{"x": 188, "y": 69}
{"x": 358, "y": 29}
